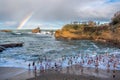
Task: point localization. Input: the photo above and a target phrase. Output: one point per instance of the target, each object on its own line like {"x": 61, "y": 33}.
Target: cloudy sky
{"x": 53, "y": 14}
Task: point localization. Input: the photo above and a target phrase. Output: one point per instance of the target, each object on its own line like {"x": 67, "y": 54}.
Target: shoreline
{"x": 111, "y": 43}
{"x": 75, "y": 72}
{"x": 9, "y": 72}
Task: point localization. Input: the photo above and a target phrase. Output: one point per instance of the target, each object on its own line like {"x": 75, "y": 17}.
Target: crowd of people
{"x": 102, "y": 61}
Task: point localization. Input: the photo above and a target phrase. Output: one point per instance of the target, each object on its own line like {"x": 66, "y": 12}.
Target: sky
{"x": 53, "y": 14}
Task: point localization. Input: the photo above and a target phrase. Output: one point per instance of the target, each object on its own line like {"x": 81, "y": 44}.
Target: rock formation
{"x": 1, "y": 48}
{"x": 5, "y": 30}
{"x": 72, "y": 31}
{"x": 99, "y": 34}
{"x": 64, "y": 34}
{"x": 37, "y": 30}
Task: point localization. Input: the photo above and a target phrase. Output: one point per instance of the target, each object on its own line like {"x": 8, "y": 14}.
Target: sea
{"x": 41, "y": 45}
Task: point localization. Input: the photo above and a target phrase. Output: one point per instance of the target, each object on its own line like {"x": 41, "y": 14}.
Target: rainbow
{"x": 25, "y": 20}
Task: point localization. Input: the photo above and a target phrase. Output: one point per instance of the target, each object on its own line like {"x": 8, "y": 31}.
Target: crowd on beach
{"x": 103, "y": 61}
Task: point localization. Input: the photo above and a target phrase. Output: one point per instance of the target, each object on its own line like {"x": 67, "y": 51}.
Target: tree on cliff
{"x": 116, "y": 19}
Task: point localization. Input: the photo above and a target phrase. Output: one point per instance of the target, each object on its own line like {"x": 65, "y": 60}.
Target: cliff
{"x": 99, "y": 34}
{"x": 73, "y": 31}
{"x": 64, "y": 34}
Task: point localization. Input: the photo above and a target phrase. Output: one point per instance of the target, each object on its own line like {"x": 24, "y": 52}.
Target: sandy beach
{"x": 11, "y": 73}
{"x": 70, "y": 73}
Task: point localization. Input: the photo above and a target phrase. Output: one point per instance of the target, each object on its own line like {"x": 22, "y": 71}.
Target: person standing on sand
{"x": 81, "y": 64}
{"x": 114, "y": 65}
{"x": 113, "y": 73}
{"x": 46, "y": 65}
{"x": 56, "y": 66}
{"x": 41, "y": 68}
{"x": 33, "y": 64}
{"x": 35, "y": 69}
{"x": 89, "y": 62}
{"x": 96, "y": 66}
{"x": 71, "y": 62}
{"x": 108, "y": 67}
{"x": 83, "y": 61}
{"x": 29, "y": 66}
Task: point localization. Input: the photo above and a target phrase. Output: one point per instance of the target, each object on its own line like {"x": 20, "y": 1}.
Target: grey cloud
{"x": 57, "y": 10}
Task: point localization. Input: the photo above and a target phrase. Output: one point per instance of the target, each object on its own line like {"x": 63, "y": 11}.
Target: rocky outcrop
{"x": 90, "y": 33}
{"x": 64, "y": 34}
{"x": 1, "y": 48}
{"x": 80, "y": 32}
{"x": 5, "y": 31}
{"x": 37, "y": 30}
{"x": 11, "y": 45}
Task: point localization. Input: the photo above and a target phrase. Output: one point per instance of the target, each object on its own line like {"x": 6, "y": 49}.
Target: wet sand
{"x": 77, "y": 73}
{"x": 71, "y": 73}
{"x": 11, "y": 73}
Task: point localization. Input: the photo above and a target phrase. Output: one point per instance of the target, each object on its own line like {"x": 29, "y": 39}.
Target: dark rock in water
{"x": 1, "y": 48}
{"x": 11, "y": 45}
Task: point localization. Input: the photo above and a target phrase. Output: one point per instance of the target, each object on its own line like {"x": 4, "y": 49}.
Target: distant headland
{"x": 109, "y": 33}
